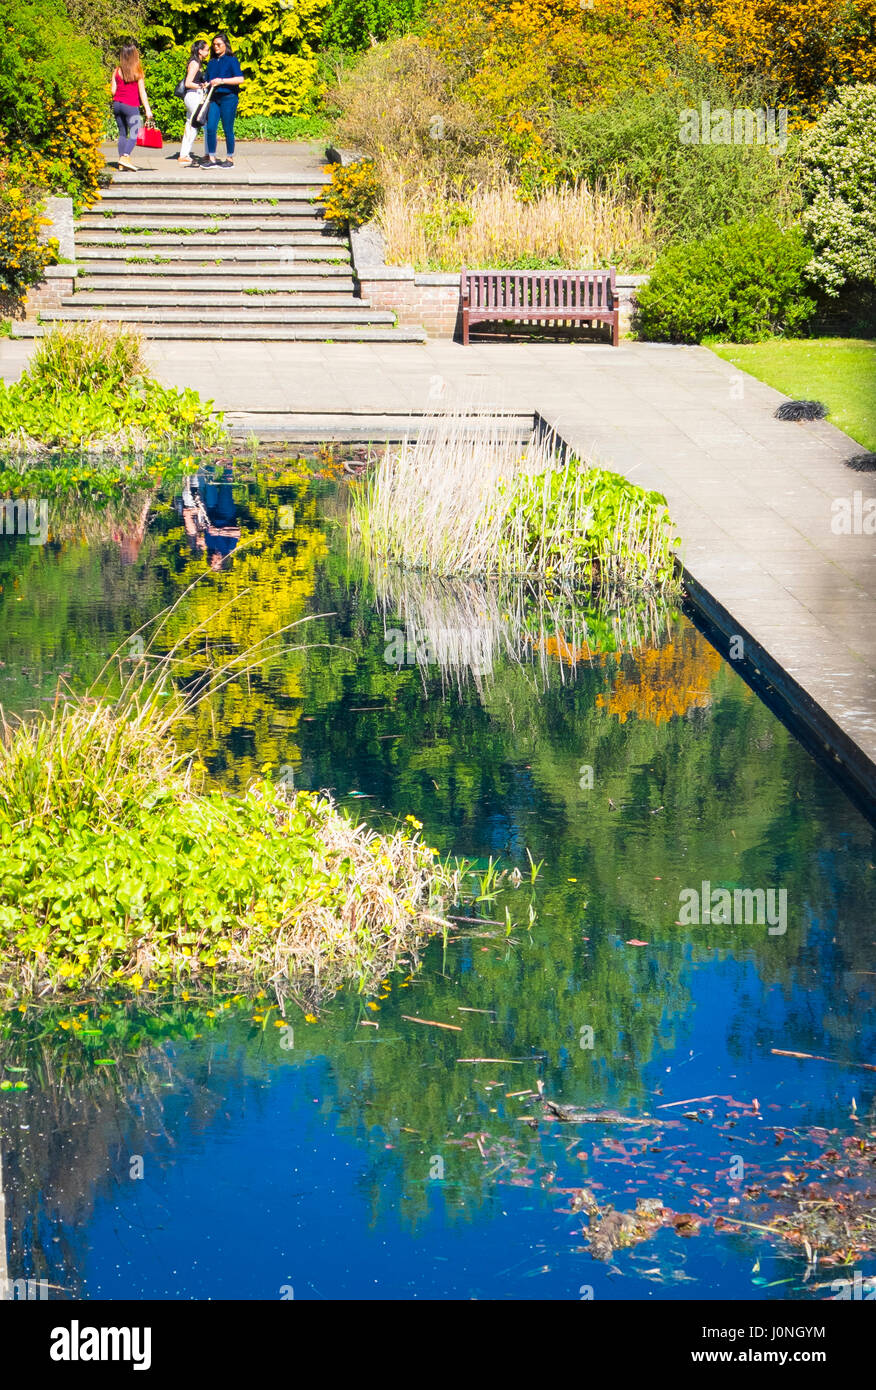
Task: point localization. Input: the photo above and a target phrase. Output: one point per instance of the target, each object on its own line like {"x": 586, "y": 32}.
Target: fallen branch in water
{"x": 814, "y": 1057}
{"x": 431, "y": 1023}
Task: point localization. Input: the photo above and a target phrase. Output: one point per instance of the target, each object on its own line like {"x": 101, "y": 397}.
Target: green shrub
{"x": 694, "y": 188}
{"x": 274, "y": 41}
{"x": 839, "y": 185}
{"x": 163, "y": 71}
{"x": 53, "y": 96}
{"x": 352, "y": 24}
{"x": 743, "y": 283}
{"x": 353, "y": 193}
{"x": 23, "y": 256}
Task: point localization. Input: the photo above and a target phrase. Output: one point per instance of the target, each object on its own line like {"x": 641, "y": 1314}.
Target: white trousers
{"x": 191, "y": 132}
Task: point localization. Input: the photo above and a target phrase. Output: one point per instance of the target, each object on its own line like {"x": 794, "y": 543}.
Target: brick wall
{"x": 431, "y": 301}
{"x": 60, "y": 281}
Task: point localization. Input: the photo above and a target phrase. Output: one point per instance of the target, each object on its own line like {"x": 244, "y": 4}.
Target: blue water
{"x": 370, "y": 1161}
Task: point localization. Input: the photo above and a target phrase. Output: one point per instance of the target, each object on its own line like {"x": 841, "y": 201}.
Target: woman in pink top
{"x": 128, "y": 87}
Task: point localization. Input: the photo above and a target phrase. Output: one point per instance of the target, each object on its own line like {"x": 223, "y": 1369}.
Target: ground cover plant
{"x": 89, "y": 386}
{"x": 105, "y": 829}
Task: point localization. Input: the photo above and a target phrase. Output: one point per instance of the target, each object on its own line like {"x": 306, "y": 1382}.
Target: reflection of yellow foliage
{"x": 664, "y": 682}
{"x": 253, "y": 719}
{"x": 570, "y": 655}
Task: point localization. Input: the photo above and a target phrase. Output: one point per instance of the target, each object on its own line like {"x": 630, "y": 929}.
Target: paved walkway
{"x": 258, "y": 160}
{"x": 752, "y": 496}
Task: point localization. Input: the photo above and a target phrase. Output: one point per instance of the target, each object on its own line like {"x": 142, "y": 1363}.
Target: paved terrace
{"x": 751, "y": 496}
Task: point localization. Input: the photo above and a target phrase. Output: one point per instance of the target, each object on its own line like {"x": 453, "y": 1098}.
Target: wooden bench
{"x": 539, "y": 296}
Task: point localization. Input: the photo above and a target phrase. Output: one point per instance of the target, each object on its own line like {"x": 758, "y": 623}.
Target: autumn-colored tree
{"x": 806, "y": 49}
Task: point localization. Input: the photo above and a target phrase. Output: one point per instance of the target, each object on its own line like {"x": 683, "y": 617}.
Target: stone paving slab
{"x": 751, "y": 496}
{"x": 259, "y": 160}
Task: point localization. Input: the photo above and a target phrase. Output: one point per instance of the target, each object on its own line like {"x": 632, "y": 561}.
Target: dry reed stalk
{"x": 427, "y": 226}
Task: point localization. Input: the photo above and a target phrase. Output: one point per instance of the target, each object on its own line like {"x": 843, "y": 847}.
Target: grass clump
{"x": 474, "y": 501}
{"x": 89, "y": 387}
{"x": 121, "y": 871}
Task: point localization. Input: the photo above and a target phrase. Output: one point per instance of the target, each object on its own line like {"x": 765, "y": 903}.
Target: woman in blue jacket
{"x": 224, "y": 78}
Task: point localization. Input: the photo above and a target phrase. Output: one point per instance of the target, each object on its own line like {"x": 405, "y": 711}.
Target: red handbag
{"x": 150, "y": 136}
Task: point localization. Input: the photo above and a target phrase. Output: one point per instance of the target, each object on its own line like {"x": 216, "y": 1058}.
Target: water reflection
{"x": 371, "y": 1155}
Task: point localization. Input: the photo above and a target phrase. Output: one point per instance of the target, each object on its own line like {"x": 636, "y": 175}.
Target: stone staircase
{"x": 219, "y": 256}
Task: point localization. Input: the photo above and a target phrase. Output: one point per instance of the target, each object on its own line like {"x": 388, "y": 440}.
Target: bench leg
{"x": 615, "y": 329}
{"x": 465, "y": 328}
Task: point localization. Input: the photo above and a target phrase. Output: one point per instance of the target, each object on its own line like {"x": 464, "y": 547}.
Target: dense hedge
{"x": 743, "y": 283}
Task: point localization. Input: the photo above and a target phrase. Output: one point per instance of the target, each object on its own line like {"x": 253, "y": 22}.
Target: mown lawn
{"x": 841, "y": 372}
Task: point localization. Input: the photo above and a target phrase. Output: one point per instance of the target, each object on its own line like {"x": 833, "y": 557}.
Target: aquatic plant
{"x": 121, "y": 872}
{"x": 466, "y": 498}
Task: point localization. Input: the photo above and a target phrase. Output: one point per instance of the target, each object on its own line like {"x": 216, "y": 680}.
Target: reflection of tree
{"x": 663, "y": 682}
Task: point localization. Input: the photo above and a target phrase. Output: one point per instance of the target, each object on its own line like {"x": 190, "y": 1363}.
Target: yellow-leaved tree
{"x": 805, "y": 49}
{"x": 274, "y": 40}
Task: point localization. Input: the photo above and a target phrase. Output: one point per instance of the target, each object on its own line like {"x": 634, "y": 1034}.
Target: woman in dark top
{"x": 224, "y": 77}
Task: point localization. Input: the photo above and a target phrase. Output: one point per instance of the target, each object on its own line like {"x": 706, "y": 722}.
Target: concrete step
{"x": 212, "y": 314}
{"x": 175, "y": 253}
{"x": 180, "y": 180}
{"x": 205, "y": 283}
{"x": 255, "y": 332}
{"x": 205, "y": 205}
{"x": 210, "y": 186}
{"x": 109, "y": 235}
{"x": 122, "y": 300}
{"x": 169, "y": 220}
{"x": 166, "y": 267}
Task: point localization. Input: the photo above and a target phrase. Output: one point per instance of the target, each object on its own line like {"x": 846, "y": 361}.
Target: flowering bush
{"x": 23, "y": 256}
{"x": 806, "y": 48}
{"x": 839, "y": 183}
{"x": 53, "y": 95}
{"x": 353, "y": 192}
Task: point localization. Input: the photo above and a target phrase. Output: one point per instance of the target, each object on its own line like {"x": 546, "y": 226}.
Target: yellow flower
{"x": 137, "y": 981}
{"x": 310, "y": 1018}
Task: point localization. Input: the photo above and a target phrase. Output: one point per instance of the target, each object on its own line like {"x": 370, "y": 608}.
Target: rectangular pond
{"x": 658, "y": 1086}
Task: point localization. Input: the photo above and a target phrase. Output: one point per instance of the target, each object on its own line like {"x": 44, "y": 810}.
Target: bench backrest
{"x": 539, "y": 289}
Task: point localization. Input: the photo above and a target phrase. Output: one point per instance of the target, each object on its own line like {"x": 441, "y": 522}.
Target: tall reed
{"x": 427, "y": 225}
{"x": 467, "y": 498}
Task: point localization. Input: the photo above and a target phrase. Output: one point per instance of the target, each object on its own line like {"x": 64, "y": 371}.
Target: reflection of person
{"x": 209, "y": 515}
{"x": 129, "y": 541}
